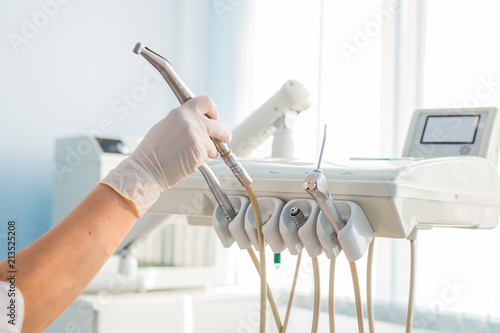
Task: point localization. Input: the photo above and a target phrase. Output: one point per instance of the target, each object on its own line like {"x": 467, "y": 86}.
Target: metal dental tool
{"x": 218, "y": 192}
{"x": 297, "y": 217}
{"x": 183, "y": 94}
{"x": 316, "y": 185}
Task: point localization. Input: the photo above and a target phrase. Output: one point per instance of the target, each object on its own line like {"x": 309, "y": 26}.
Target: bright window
{"x": 367, "y": 70}
{"x": 459, "y": 269}
{"x": 301, "y": 40}
{"x": 335, "y": 50}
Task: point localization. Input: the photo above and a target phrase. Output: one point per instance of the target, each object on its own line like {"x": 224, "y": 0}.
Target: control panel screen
{"x": 450, "y": 129}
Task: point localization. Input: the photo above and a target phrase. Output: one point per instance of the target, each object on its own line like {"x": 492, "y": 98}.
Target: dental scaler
{"x": 183, "y": 94}
{"x": 316, "y": 185}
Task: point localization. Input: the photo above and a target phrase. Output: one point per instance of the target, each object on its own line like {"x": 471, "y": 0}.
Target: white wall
{"x": 72, "y": 73}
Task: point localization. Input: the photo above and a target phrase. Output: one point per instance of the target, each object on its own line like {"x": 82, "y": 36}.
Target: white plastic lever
{"x": 357, "y": 234}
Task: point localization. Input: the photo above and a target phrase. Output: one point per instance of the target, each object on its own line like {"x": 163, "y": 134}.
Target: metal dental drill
{"x": 183, "y": 94}
{"x": 316, "y": 185}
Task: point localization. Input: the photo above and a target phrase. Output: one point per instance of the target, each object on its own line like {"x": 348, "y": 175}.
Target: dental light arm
{"x": 260, "y": 125}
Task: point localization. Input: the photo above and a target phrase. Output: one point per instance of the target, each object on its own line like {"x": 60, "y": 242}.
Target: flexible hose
{"x": 331, "y": 299}
{"x": 218, "y": 193}
{"x": 357, "y": 295}
{"x": 411, "y": 297}
{"x": 292, "y": 293}
{"x": 369, "y": 299}
{"x": 270, "y": 297}
{"x": 317, "y": 295}
{"x": 262, "y": 255}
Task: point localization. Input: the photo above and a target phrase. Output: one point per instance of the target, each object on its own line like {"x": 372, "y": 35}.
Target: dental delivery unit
{"x": 447, "y": 177}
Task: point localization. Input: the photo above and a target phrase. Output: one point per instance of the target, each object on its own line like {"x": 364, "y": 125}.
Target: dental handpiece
{"x": 183, "y": 94}
{"x": 316, "y": 185}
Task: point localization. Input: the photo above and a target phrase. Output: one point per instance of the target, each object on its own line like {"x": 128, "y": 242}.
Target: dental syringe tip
{"x": 138, "y": 48}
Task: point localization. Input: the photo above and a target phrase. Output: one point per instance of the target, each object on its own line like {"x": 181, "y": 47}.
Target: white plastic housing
{"x": 237, "y": 226}
{"x": 357, "y": 234}
{"x": 228, "y": 232}
{"x": 396, "y": 195}
{"x": 270, "y": 210}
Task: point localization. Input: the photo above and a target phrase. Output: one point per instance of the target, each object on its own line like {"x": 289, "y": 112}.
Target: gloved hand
{"x": 172, "y": 150}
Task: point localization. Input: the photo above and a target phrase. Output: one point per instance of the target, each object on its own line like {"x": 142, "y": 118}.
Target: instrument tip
{"x": 138, "y": 48}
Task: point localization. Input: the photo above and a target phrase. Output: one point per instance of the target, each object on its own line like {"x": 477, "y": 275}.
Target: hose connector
{"x": 297, "y": 217}
{"x": 232, "y": 162}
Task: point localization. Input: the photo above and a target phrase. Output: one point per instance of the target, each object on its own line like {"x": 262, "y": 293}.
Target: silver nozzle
{"x": 180, "y": 89}
{"x": 322, "y": 148}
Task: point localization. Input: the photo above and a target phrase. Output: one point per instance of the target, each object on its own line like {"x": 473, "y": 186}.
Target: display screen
{"x": 458, "y": 129}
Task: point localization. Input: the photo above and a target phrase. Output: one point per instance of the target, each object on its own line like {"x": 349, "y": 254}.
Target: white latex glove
{"x": 172, "y": 150}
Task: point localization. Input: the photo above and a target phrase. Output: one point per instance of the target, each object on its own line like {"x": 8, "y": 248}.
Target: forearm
{"x": 57, "y": 267}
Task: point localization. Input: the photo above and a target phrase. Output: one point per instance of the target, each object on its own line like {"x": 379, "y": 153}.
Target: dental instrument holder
{"x": 327, "y": 237}
{"x": 355, "y": 235}
{"x": 397, "y": 195}
{"x": 354, "y": 238}
{"x": 227, "y": 232}
{"x": 183, "y": 94}
{"x": 316, "y": 185}
{"x": 270, "y": 210}
{"x": 296, "y": 238}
